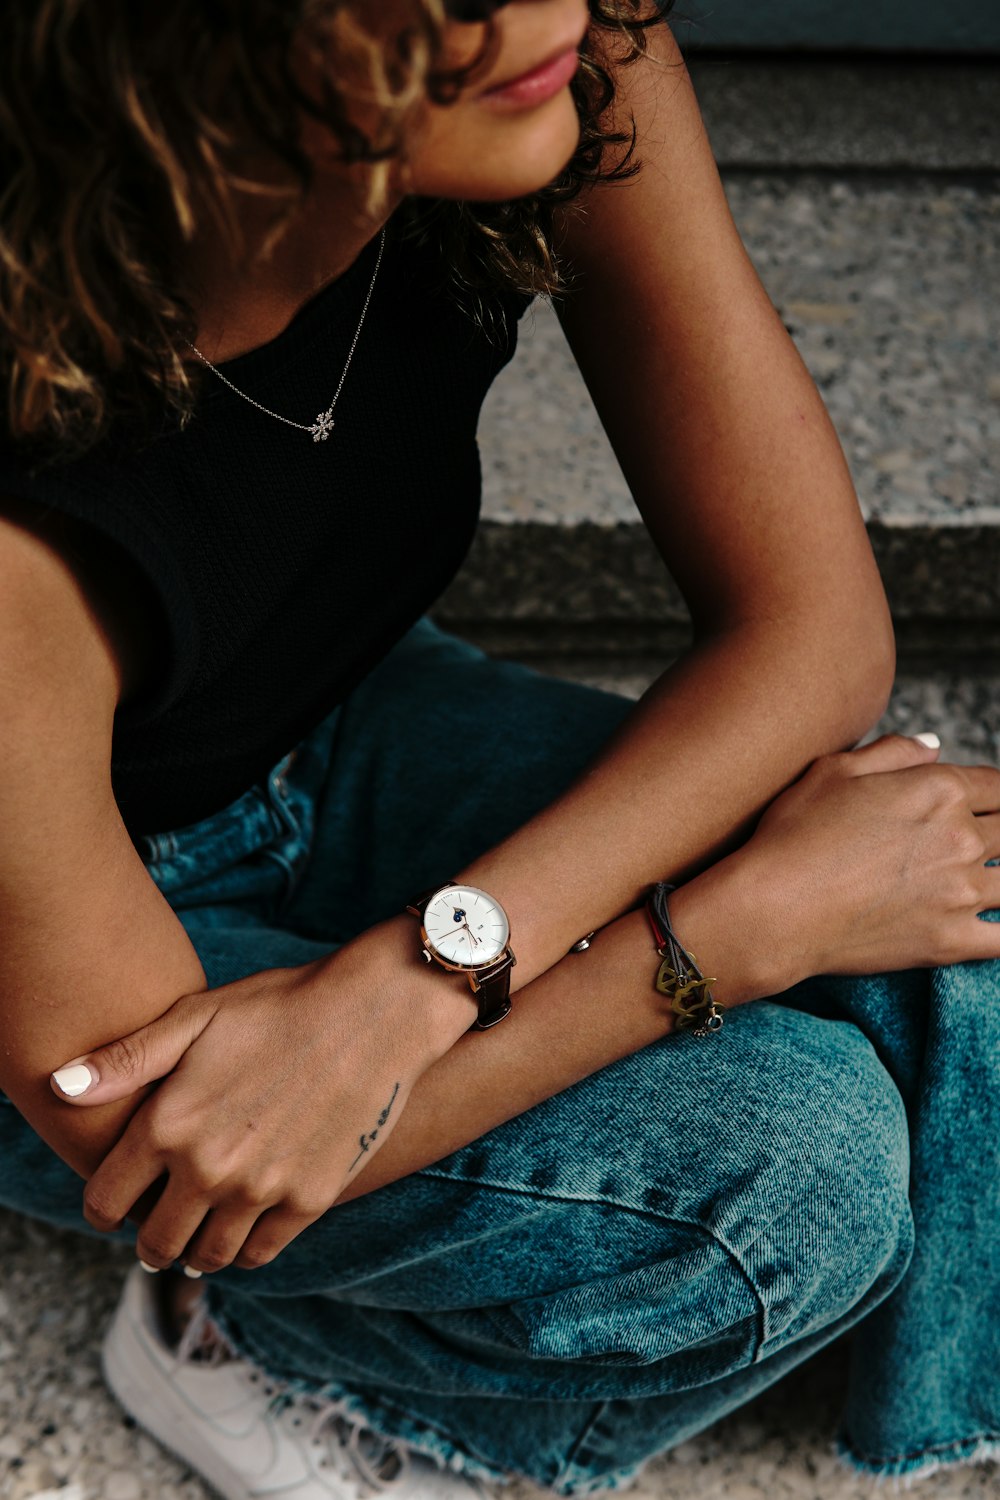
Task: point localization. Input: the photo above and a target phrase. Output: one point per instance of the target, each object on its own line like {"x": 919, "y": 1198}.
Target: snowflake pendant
{"x": 322, "y": 427}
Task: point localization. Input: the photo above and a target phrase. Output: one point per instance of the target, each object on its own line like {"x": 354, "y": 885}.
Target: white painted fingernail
{"x": 153, "y": 1270}
{"x": 930, "y": 740}
{"x": 75, "y": 1080}
{"x": 190, "y": 1271}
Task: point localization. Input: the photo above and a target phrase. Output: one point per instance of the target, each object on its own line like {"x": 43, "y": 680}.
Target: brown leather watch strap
{"x": 491, "y": 988}
{"x": 417, "y": 905}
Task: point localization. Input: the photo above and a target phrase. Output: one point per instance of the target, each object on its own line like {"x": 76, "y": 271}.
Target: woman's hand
{"x": 276, "y": 1090}
{"x": 876, "y": 860}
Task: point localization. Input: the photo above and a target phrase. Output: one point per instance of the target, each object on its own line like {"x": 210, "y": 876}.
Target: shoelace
{"x": 354, "y": 1450}
{"x": 203, "y": 1341}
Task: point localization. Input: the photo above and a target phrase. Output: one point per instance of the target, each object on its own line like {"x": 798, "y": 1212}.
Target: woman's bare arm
{"x": 875, "y": 860}
{"x": 89, "y": 948}
{"x": 739, "y": 476}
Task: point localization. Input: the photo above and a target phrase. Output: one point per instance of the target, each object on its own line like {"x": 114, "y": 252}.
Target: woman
{"x": 253, "y": 795}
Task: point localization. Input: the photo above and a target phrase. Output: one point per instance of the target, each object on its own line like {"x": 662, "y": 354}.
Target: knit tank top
{"x": 280, "y": 569}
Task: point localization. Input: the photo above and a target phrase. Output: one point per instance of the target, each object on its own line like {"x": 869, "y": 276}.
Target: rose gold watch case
{"x": 430, "y": 951}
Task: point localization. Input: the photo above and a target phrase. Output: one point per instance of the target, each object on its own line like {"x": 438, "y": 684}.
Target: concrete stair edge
{"x": 850, "y": 113}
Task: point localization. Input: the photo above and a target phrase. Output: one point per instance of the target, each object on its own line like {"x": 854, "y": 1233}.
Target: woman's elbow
{"x": 867, "y": 668}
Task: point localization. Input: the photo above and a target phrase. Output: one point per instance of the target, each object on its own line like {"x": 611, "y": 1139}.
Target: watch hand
{"x": 472, "y": 936}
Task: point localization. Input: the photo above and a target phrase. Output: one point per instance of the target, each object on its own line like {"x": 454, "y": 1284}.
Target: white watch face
{"x": 466, "y": 925}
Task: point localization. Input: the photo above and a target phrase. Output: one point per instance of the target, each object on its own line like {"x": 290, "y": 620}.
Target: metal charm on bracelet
{"x": 679, "y": 977}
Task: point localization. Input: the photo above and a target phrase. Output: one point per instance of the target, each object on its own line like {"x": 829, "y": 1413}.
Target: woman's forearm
{"x": 709, "y": 745}
{"x": 586, "y": 1011}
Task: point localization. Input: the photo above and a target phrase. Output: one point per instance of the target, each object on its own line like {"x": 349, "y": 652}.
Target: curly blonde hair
{"x": 121, "y": 123}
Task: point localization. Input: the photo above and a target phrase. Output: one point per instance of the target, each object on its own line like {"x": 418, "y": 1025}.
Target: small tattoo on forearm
{"x": 366, "y": 1141}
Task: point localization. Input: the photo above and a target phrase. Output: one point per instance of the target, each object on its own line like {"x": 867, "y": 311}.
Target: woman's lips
{"x": 534, "y": 87}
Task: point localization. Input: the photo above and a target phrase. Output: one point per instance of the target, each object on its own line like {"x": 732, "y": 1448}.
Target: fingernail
{"x": 190, "y": 1271}
{"x": 74, "y": 1080}
{"x": 151, "y": 1269}
{"x": 930, "y": 740}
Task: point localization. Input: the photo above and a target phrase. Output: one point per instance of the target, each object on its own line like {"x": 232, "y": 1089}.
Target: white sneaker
{"x": 245, "y": 1434}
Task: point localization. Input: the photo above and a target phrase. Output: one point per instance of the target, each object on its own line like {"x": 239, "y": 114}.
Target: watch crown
{"x": 426, "y": 956}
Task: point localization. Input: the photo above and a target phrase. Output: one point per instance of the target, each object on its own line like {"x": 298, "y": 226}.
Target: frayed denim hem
{"x": 385, "y": 1419}
{"x": 912, "y": 1468}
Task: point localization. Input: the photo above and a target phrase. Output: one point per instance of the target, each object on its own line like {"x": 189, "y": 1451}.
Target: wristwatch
{"x": 465, "y": 930}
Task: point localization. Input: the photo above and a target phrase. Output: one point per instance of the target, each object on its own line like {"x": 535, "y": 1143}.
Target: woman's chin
{"x": 502, "y": 156}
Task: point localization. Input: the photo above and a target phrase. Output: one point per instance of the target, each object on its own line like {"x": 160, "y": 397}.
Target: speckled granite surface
{"x": 890, "y": 293}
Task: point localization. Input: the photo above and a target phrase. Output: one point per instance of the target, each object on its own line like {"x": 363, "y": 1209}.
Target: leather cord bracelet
{"x": 679, "y": 977}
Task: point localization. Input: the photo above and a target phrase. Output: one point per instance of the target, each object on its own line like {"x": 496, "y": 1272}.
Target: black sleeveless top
{"x": 284, "y": 569}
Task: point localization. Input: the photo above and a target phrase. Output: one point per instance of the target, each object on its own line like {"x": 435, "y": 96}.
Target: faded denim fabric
{"x": 619, "y": 1267}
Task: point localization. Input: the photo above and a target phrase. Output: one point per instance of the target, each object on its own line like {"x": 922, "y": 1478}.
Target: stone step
{"x": 851, "y": 113}
{"x": 888, "y": 26}
{"x": 889, "y": 288}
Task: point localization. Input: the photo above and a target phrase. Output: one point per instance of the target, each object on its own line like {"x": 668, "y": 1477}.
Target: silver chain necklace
{"x": 323, "y": 425}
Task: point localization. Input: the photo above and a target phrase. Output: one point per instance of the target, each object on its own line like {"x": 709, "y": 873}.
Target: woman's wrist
{"x": 729, "y": 919}
{"x": 427, "y": 1004}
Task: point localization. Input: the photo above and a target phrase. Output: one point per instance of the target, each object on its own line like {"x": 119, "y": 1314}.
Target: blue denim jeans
{"x": 617, "y": 1268}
